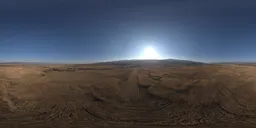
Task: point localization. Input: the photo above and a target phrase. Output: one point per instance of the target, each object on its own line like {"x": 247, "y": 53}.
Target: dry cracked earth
{"x": 95, "y": 96}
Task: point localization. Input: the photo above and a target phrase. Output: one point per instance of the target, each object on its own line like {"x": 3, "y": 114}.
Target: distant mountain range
{"x": 124, "y": 62}
{"x": 164, "y": 62}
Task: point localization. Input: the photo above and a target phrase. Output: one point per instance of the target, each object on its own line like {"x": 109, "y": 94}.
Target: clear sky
{"x": 99, "y": 30}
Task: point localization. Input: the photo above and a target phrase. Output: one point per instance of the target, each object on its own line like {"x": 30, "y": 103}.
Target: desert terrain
{"x": 132, "y": 95}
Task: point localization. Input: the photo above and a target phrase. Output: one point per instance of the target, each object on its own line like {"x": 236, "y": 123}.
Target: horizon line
{"x": 93, "y": 62}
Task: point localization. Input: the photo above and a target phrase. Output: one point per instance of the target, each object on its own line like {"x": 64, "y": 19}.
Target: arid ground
{"x": 131, "y": 96}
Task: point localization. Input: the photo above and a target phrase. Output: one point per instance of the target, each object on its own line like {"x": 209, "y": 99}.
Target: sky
{"x": 77, "y": 31}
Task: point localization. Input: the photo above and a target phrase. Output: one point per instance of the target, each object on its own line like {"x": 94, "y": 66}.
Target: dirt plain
{"x": 105, "y": 95}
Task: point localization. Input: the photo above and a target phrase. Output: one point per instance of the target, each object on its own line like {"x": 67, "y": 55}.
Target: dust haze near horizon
{"x": 98, "y": 30}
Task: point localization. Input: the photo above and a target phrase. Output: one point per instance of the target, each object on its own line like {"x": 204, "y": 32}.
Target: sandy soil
{"x": 204, "y": 96}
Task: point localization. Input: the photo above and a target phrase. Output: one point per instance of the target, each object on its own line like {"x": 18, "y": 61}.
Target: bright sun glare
{"x": 150, "y": 53}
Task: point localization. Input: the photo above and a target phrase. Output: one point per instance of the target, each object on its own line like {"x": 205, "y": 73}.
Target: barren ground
{"x": 202, "y": 96}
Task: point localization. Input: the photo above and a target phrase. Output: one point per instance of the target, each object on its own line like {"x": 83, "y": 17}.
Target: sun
{"x": 150, "y": 53}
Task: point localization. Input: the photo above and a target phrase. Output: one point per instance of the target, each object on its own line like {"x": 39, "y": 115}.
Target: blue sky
{"x": 100, "y": 30}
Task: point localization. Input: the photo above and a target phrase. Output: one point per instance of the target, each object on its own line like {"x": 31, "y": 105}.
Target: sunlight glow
{"x": 150, "y": 53}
